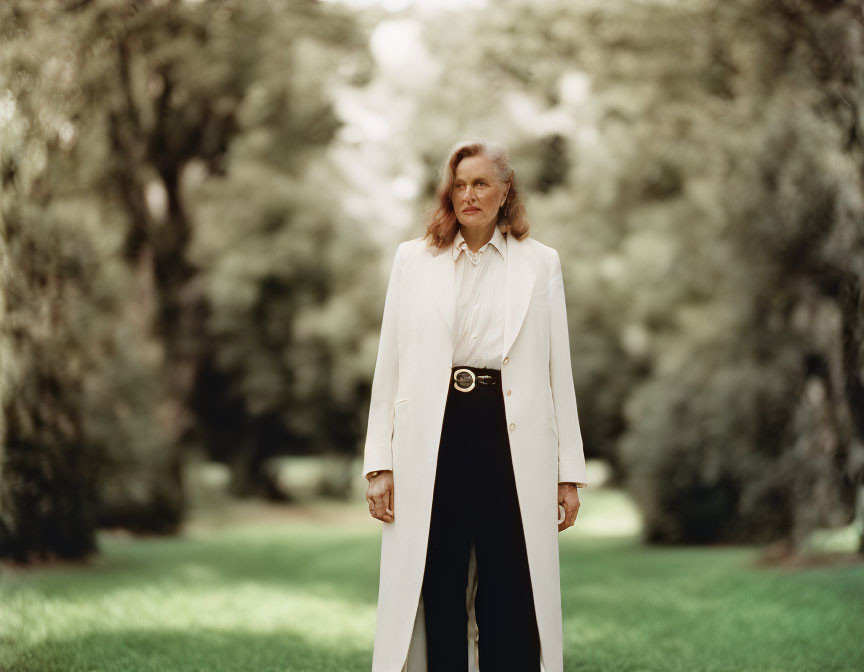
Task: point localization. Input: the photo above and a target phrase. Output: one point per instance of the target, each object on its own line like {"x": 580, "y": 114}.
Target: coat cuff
{"x": 366, "y": 472}
{"x": 376, "y": 463}
{"x": 572, "y": 470}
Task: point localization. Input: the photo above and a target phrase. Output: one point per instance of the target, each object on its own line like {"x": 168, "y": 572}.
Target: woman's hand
{"x": 568, "y": 497}
{"x": 379, "y": 495}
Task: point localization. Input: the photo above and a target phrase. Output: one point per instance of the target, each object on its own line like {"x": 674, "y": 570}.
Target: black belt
{"x": 466, "y": 377}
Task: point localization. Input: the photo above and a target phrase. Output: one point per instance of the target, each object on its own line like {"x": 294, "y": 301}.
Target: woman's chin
{"x": 472, "y": 222}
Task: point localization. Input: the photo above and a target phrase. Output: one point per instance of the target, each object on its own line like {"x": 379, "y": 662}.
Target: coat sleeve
{"x": 571, "y": 458}
{"x": 377, "y": 454}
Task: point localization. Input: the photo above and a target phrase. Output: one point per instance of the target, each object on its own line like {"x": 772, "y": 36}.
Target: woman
{"x": 473, "y": 423}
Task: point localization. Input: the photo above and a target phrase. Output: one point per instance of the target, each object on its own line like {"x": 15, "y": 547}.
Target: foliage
{"x": 185, "y": 266}
{"x": 698, "y": 165}
{"x": 116, "y": 117}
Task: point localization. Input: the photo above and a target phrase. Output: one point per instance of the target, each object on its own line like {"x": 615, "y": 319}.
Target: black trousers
{"x": 475, "y": 500}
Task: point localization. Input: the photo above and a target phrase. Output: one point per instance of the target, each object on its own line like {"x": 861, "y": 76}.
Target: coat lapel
{"x": 520, "y": 283}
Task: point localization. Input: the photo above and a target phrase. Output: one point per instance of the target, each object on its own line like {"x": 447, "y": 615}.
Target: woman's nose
{"x": 469, "y": 193}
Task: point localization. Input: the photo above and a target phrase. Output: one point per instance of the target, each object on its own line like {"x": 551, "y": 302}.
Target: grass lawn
{"x": 296, "y": 591}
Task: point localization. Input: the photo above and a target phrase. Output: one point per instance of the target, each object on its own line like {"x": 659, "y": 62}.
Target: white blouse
{"x": 480, "y": 288}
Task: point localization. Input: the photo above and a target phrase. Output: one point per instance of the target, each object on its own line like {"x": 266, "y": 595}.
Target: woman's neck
{"x": 477, "y": 237}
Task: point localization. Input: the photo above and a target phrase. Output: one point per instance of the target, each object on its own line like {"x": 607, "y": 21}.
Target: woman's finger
{"x": 380, "y": 505}
{"x": 385, "y": 505}
{"x": 387, "y": 516}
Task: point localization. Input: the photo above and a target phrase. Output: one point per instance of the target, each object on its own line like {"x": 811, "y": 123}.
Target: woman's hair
{"x": 441, "y": 221}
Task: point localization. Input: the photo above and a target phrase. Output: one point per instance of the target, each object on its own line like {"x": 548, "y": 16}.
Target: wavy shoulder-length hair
{"x": 441, "y": 221}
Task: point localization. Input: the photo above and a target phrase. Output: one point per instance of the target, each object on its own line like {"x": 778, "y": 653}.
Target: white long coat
{"x": 409, "y": 393}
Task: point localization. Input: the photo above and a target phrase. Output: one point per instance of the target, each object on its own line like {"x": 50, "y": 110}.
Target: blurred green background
{"x": 199, "y": 206}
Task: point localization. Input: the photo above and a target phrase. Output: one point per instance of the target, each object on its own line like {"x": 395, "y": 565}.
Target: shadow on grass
{"x": 320, "y": 562}
{"x": 633, "y": 607}
{"x": 625, "y": 607}
{"x": 198, "y": 651}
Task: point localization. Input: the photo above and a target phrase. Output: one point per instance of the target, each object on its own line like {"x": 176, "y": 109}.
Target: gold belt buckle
{"x": 462, "y": 376}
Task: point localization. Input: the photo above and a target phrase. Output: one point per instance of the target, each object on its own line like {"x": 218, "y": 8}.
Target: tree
{"x": 116, "y": 117}
{"x": 697, "y": 164}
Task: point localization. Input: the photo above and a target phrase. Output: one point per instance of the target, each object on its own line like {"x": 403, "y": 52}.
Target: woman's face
{"x": 477, "y": 193}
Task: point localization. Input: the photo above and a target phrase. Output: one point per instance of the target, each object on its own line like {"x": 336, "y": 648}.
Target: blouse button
{"x": 512, "y": 426}
{"x": 508, "y": 393}
{"x": 506, "y": 360}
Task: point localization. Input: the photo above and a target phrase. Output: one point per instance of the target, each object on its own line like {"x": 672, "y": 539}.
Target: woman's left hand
{"x": 568, "y": 497}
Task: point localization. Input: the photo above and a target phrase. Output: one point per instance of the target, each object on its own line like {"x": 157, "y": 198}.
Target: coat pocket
{"x": 400, "y": 408}
{"x": 400, "y": 430}
{"x": 553, "y": 425}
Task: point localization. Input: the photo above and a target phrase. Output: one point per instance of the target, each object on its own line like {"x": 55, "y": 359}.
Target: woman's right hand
{"x": 379, "y": 495}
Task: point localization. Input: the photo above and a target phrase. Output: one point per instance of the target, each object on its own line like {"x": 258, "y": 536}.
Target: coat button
{"x": 512, "y": 426}
{"x": 506, "y": 360}
{"x": 508, "y": 393}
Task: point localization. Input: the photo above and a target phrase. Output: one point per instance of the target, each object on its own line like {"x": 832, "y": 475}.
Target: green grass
{"x": 300, "y": 595}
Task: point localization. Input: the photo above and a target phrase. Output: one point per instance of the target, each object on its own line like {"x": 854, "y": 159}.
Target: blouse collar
{"x": 497, "y": 240}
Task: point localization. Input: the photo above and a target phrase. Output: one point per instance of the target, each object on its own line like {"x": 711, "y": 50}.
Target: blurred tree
{"x": 293, "y": 290}
{"x": 698, "y": 165}
{"x": 785, "y": 304}
{"x": 208, "y": 94}
{"x": 47, "y": 504}
{"x": 288, "y": 277}
{"x": 115, "y": 118}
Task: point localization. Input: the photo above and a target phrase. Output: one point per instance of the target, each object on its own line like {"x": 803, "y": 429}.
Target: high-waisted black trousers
{"x": 475, "y": 500}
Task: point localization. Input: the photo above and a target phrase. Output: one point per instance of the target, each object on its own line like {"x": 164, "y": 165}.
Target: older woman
{"x": 473, "y": 423}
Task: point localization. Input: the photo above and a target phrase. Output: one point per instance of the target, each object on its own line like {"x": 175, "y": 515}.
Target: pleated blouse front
{"x": 480, "y": 300}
